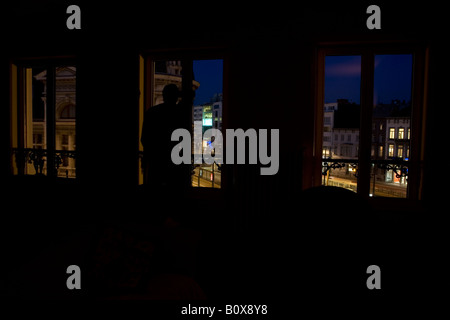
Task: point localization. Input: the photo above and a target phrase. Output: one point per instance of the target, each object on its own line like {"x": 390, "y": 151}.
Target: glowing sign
{"x": 207, "y": 122}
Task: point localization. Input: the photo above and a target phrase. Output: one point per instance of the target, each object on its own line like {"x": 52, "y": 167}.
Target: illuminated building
{"x": 168, "y": 72}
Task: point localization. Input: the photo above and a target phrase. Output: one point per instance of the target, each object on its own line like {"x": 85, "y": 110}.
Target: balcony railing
{"x": 388, "y": 177}
{"x": 329, "y": 164}
{"x": 38, "y": 159}
{"x": 397, "y": 165}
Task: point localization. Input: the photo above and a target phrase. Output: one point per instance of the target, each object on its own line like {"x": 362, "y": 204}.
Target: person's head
{"x": 170, "y": 94}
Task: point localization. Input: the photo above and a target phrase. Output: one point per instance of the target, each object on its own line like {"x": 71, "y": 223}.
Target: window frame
{"x": 368, "y": 51}
{"x": 186, "y": 56}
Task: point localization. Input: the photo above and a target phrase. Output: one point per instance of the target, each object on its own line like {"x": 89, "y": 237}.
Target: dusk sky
{"x": 209, "y": 73}
{"x": 342, "y": 78}
{"x": 392, "y": 80}
{"x": 393, "y": 74}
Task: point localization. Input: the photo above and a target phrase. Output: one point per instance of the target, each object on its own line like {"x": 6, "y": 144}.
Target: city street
{"x": 382, "y": 189}
{"x": 202, "y": 178}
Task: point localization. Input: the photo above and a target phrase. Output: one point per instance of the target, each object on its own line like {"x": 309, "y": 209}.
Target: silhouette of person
{"x": 159, "y": 123}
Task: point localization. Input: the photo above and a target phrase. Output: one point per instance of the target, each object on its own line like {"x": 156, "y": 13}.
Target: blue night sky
{"x": 209, "y": 73}
{"x": 392, "y": 79}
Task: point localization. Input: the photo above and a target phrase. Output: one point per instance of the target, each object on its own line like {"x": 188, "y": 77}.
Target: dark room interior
{"x": 360, "y": 181}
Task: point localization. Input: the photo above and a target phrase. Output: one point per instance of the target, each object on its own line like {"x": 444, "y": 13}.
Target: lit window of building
{"x": 401, "y": 133}
{"x": 391, "y": 150}
{"x": 391, "y": 133}
{"x": 380, "y": 151}
{"x": 400, "y": 151}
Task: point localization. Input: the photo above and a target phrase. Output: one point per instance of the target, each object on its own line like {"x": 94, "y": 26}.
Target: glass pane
{"x": 341, "y": 121}
{"x": 391, "y": 125}
{"x": 65, "y": 120}
{"x": 207, "y": 114}
{"x": 35, "y": 126}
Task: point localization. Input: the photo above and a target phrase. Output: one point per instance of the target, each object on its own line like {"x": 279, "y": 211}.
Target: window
{"x": 205, "y": 77}
{"x": 400, "y": 151}
{"x": 392, "y": 102}
{"x": 341, "y": 102}
{"x": 380, "y": 100}
{"x": 37, "y": 141}
{"x": 43, "y": 118}
{"x": 391, "y": 150}
{"x": 392, "y": 133}
{"x": 401, "y": 133}
{"x": 380, "y": 152}
{"x": 65, "y": 140}
{"x": 68, "y": 112}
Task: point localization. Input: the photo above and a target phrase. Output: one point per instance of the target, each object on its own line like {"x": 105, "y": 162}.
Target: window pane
{"x": 340, "y": 142}
{"x": 65, "y": 122}
{"x": 207, "y": 113}
{"x": 392, "y": 120}
{"x": 43, "y": 120}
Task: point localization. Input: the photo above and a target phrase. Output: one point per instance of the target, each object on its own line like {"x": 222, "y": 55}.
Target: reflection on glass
{"x": 341, "y": 121}
{"x": 391, "y": 125}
